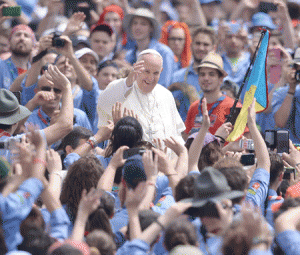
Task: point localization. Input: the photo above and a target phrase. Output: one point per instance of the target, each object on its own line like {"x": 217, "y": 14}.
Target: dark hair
{"x": 36, "y": 242}
{"x": 283, "y": 187}
{"x": 82, "y": 174}
{"x": 5, "y": 127}
{"x": 205, "y": 30}
{"x": 210, "y": 154}
{"x": 34, "y": 220}
{"x": 127, "y": 131}
{"x": 66, "y": 249}
{"x": 185, "y": 187}
{"x": 74, "y": 136}
{"x": 236, "y": 176}
{"x": 102, "y": 241}
{"x": 276, "y": 168}
{"x": 180, "y": 232}
{"x": 231, "y": 86}
{"x": 99, "y": 219}
{"x": 106, "y": 64}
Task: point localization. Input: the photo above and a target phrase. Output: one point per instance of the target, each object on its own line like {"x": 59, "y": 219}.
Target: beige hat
{"x": 144, "y": 13}
{"x": 213, "y": 60}
{"x": 186, "y": 250}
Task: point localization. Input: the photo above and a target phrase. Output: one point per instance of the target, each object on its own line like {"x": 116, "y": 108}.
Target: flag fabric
{"x": 256, "y": 88}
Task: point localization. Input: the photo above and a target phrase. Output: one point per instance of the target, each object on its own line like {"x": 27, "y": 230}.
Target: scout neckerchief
{"x": 4, "y": 133}
{"x": 42, "y": 118}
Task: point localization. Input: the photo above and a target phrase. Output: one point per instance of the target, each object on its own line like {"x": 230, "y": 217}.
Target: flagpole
{"x": 233, "y": 112}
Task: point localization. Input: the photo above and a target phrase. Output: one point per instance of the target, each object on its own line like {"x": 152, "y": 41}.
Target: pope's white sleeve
{"x": 116, "y": 91}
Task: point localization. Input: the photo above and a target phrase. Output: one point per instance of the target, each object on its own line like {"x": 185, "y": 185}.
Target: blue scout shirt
{"x": 89, "y": 101}
{"x": 41, "y": 119}
{"x": 8, "y": 73}
{"x": 134, "y": 247}
{"x": 293, "y": 124}
{"x": 187, "y": 75}
{"x": 289, "y": 242}
{"x": 258, "y": 188}
{"x": 169, "y": 65}
{"x": 16, "y": 207}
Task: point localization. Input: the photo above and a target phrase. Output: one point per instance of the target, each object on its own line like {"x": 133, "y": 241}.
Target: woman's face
{"x": 176, "y": 41}
{"x": 114, "y": 20}
{"x": 106, "y": 75}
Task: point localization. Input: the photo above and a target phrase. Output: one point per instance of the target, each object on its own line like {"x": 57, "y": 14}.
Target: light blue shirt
{"x": 169, "y": 65}
{"x": 8, "y": 73}
{"x": 289, "y": 242}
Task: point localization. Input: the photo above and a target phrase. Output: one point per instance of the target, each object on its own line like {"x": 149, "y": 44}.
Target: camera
{"x": 57, "y": 41}
{"x": 9, "y": 143}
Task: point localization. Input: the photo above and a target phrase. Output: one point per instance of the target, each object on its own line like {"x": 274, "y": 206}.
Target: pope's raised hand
{"x": 137, "y": 69}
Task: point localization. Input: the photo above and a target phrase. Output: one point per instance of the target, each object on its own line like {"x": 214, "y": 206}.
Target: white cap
{"x": 150, "y": 51}
{"x": 83, "y": 51}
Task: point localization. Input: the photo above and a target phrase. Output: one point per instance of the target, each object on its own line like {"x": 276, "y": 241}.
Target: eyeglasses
{"x": 57, "y": 91}
{"x": 176, "y": 39}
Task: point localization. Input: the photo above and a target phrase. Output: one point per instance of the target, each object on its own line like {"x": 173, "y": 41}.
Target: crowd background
{"x": 65, "y": 185}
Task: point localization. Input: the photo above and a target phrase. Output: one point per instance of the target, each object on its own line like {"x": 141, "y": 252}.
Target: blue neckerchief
{"x": 216, "y": 104}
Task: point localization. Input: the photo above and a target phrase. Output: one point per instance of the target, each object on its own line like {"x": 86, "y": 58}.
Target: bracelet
{"x": 221, "y": 138}
{"x": 90, "y": 143}
{"x": 39, "y": 161}
{"x": 159, "y": 223}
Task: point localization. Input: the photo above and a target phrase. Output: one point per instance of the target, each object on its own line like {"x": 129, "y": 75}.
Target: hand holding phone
{"x": 288, "y": 172}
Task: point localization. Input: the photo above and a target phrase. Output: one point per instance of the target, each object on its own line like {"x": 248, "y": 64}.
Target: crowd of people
{"x": 114, "y": 119}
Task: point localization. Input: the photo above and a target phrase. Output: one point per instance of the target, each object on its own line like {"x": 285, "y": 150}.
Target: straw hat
{"x": 213, "y": 60}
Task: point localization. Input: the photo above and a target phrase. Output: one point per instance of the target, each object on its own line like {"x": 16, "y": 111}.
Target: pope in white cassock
{"x": 153, "y": 103}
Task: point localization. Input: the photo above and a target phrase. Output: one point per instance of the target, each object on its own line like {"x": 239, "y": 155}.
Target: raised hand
{"x": 75, "y": 23}
{"x": 206, "y": 119}
{"x": 224, "y": 130}
{"x": 35, "y": 136}
{"x": 104, "y": 132}
{"x": 252, "y": 113}
{"x": 89, "y": 201}
{"x": 53, "y": 161}
{"x": 134, "y": 197}
{"x": 57, "y": 78}
{"x": 117, "y": 159}
{"x": 138, "y": 68}
{"x": 42, "y": 97}
{"x": 150, "y": 165}
{"x": 45, "y": 43}
{"x": 175, "y": 146}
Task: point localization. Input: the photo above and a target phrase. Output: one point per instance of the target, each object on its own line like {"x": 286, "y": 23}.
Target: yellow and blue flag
{"x": 256, "y": 87}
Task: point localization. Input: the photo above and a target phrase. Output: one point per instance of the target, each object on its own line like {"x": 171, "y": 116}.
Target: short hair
{"x": 185, "y": 187}
{"x": 277, "y": 166}
{"x": 106, "y": 64}
{"x": 74, "y": 136}
{"x": 180, "y": 232}
{"x": 205, "y": 30}
{"x": 102, "y": 241}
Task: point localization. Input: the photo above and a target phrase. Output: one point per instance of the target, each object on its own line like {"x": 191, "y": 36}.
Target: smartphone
{"x": 134, "y": 151}
{"x": 248, "y": 159}
{"x": 288, "y": 172}
{"x": 247, "y": 144}
{"x": 13, "y": 11}
{"x": 282, "y": 141}
{"x": 86, "y": 11}
{"x": 270, "y": 139}
{"x": 267, "y": 7}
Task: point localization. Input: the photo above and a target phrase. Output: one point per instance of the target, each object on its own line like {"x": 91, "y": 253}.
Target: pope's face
{"x": 148, "y": 79}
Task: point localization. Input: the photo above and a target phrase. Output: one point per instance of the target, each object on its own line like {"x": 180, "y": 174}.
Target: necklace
{"x": 150, "y": 132}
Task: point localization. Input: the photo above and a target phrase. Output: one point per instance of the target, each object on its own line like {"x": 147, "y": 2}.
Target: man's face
{"x": 140, "y": 28}
{"x": 176, "y": 41}
{"x": 233, "y": 43}
{"x": 45, "y": 85}
{"x": 102, "y": 43}
{"x": 201, "y": 45}
{"x": 106, "y": 76}
{"x": 21, "y": 43}
{"x": 209, "y": 79}
{"x": 114, "y": 20}
{"x": 212, "y": 225}
{"x": 289, "y": 71}
{"x": 148, "y": 79}
{"x": 64, "y": 65}
{"x": 89, "y": 63}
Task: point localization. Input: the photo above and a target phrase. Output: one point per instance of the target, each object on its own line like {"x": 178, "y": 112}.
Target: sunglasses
{"x": 57, "y": 91}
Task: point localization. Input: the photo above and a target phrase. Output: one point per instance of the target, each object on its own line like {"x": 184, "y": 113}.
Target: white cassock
{"x": 156, "y": 110}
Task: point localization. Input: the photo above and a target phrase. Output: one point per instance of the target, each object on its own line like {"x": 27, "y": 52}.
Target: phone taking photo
{"x": 282, "y": 140}
{"x": 289, "y": 172}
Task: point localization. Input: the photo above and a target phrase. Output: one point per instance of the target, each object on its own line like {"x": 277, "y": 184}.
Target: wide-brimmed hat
{"x": 213, "y": 60}
{"x": 262, "y": 19}
{"x": 211, "y": 186}
{"x": 143, "y": 13}
{"x": 11, "y": 111}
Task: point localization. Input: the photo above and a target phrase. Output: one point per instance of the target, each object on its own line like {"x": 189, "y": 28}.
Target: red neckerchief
{"x": 3, "y": 133}
{"x": 42, "y": 118}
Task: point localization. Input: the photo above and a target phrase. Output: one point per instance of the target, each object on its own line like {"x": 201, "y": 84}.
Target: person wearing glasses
{"x": 46, "y": 106}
